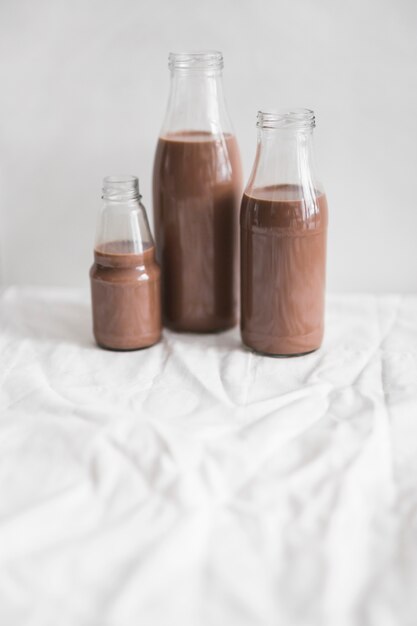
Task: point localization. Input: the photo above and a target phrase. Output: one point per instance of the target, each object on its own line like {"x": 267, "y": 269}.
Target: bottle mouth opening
{"x": 120, "y": 187}
{"x": 286, "y": 119}
{"x": 196, "y": 60}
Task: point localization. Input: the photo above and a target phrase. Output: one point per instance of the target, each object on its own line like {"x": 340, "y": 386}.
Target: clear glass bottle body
{"x": 125, "y": 277}
{"x": 197, "y": 184}
{"x": 283, "y": 226}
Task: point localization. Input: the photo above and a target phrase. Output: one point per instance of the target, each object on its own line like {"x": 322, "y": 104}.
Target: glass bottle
{"x": 125, "y": 278}
{"x": 283, "y": 226}
{"x": 197, "y": 185}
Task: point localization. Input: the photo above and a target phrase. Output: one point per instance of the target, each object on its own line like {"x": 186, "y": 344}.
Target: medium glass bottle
{"x": 197, "y": 184}
{"x": 125, "y": 278}
{"x": 283, "y": 225}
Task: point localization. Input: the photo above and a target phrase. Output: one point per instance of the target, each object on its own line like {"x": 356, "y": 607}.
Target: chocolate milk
{"x": 125, "y": 290}
{"x": 283, "y": 257}
{"x": 197, "y": 190}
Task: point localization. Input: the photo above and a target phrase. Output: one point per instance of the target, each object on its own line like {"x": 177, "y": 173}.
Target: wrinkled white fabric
{"x": 197, "y": 484}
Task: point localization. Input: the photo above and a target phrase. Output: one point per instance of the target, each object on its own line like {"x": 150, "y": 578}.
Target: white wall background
{"x": 84, "y": 85}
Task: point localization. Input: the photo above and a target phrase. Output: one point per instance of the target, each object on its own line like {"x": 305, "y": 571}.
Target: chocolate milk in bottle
{"x": 283, "y": 230}
{"x": 125, "y": 277}
{"x": 197, "y": 184}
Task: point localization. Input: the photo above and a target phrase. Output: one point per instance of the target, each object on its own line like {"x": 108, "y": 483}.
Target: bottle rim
{"x": 122, "y": 187}
{"x": 286, "y": 119}
{"x": 196, "y": 60}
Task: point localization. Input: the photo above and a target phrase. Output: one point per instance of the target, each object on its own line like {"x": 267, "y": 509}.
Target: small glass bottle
{"x": 125, "y": 278}
{"x": 197, "y": 186}
{"x": 283, "y": 225}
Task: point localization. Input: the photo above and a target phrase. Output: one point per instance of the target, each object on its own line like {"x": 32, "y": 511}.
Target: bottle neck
{"x": 122, "y": 225}
{"x": 196, "y": 101}
{"x": 284, "y": 153}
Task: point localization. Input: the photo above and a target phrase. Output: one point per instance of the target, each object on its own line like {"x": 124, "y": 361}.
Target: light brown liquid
{"x": 197, "y": 190}
{"x": 283, "y": 260}
{"x": 125, "y": 292}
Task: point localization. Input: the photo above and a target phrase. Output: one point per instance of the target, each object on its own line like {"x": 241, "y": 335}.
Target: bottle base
{"x": 281, "y": 346}
{"x": 114, "y": 346}
{"x": 274, "y": 355}
{"x": 111, "y": 349}
{"x": 196, "y": 329}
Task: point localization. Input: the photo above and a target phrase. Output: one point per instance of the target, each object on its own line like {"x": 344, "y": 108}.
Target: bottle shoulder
{"x": 112, "y": 263}
{"x": 122, "y": 275}
{"x": 190, "y": 163}
{"x": 290, "y": 208}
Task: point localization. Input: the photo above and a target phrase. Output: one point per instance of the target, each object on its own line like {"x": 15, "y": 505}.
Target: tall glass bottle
{"x": 197, "y": 185}
{"x": 283, "y": 225}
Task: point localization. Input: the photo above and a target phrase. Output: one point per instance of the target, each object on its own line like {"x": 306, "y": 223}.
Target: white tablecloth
{"x": 196, "y": 484}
